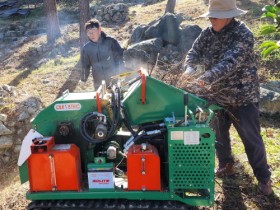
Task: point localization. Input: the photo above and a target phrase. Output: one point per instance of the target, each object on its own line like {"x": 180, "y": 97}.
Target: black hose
{"x": 134, "y": 80}
{"x": 83, "y": 129}
{"x": 116, "y": 114}
{"x": 126, "y": 123}
{"x": 112, "y": 129}
{"x": 147, "y": 127}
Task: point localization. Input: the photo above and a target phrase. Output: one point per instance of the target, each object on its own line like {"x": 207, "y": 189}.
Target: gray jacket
{"x": 229, "y": 60}
{"x": 105, "y": 57}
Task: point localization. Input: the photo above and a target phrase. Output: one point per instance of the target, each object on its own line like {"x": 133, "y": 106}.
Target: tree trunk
{"x": 53, "y": 30}
{"x": 170, "y": 6}
{"x": 84, "y": 17}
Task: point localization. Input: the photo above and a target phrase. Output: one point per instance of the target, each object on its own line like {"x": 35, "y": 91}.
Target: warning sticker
{"x": 67, "y": 107}
{"x": 191, "y": 137}
{"x": 177, "y": 135}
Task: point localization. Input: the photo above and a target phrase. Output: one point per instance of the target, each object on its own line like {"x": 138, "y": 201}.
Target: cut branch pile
{"x": 173, "y": 75}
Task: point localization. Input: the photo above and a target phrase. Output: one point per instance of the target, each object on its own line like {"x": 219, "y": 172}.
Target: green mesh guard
{"x": 191, "y": 167}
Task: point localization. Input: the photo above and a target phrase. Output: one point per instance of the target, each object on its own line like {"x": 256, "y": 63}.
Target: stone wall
{"x": 17, "y": 109}
{"x": 111, "y": 14}
{"x": 15, "y": 34}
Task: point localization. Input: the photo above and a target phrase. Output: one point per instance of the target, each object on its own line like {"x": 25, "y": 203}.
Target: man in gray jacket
{"x": 101, "y": 53}
{"x": 226, "y": 49}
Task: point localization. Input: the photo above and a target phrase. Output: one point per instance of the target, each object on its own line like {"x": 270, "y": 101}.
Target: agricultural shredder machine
{"x": 141, "y": 144}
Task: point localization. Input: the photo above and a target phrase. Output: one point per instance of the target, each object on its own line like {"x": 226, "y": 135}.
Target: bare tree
{"x": 84, "y": 17}
{"x": 170, "y": 6}
{"x": 53, "y": 30}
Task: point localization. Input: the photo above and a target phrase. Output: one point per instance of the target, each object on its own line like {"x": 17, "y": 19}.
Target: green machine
{"x": 142, "y": 144}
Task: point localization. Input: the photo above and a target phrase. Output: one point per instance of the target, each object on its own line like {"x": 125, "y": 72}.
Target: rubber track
{"x": 107, "y": 204}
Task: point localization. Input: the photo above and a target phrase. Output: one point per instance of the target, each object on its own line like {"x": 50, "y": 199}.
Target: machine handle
{"x": 143, "y": 99}
{"x": 98, "y": 103}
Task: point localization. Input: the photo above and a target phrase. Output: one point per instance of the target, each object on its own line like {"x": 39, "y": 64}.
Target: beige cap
{"x": 223, "y": 9}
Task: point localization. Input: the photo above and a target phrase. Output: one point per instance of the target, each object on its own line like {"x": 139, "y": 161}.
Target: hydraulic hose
{"x": 85, "y": 119}
{"x": 126, "y": 122}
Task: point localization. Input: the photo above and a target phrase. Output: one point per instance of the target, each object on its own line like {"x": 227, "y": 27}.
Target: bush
{"x": 270, "y": 47}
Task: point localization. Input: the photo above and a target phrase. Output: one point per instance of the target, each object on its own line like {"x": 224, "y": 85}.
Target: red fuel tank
{"x": 56, "y": 169}
{"x": 143, "y": 168}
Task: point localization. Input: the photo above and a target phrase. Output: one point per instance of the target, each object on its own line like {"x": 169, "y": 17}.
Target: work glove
{"x": 189, "y": 71}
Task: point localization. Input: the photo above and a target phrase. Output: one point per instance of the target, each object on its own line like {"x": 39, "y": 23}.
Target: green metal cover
{"x": 161, "y": 100}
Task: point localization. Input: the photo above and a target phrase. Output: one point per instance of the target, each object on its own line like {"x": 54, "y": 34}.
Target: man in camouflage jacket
{"x": 226, "y": 49}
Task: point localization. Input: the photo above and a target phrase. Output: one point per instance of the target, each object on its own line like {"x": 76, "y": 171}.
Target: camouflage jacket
{"x": 229, "y": 61}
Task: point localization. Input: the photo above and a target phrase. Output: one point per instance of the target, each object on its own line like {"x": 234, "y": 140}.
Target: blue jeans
{"x": 245, "y": 119}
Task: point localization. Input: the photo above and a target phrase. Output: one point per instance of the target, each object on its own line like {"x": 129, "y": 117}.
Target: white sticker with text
{"x": 191, "y": 137}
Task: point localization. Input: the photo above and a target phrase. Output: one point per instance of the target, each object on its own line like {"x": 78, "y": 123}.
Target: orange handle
{"x": 143, "y": 99}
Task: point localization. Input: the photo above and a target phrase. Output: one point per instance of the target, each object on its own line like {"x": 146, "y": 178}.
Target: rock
{"x": 4, "y": 130}
{"x": 18, "y": 141}
{"x": 23, "y": 116}
{"x": 8, "y": 88}
{"x": 143, "y": 53}
{"x": 20, "y": 132}
{"x": 32, "y": 110}
{"x": 6, "y": 142}
{"x": 138, "y": 34}
{"x": 2, "y": 152}
{"x": 3, "y": 117}
{"x": 166, "y": 28}
{"x": 11, "y": 123}
{"x": 188, "y": 35}
{"x": 273, "y": 86}
{"x": 149, "y": 46}
{"x": 17, "y": 148}
{"x": 270, "y": 99}
{"x": 1, "y": 35}
{"x": 7, "y": 156}
{"x": 33, "y": 102}
{"x": 148, "y": 2}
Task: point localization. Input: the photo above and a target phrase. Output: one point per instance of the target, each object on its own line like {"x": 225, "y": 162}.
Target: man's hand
{"x": 200, "y": 83}
{"x": 189, "y": 71}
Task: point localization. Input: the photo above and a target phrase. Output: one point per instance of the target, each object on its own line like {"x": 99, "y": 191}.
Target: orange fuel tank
{"x": 143, "y": 168}
{"x": 56, "y": 169}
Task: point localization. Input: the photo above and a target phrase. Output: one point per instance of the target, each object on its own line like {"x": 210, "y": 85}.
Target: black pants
{"x": 246, "y": 121}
